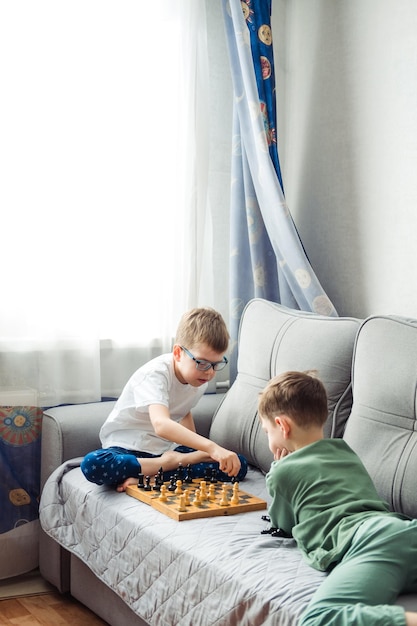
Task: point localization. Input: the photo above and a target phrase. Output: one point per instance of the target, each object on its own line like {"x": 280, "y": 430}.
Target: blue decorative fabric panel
{"x": 20, "y": 450}
{"x": 258, "y": 19}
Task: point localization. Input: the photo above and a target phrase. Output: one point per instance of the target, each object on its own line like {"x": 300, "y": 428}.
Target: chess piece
{"x": 212, "y": 493}
{"x": 147, "y": 486}
{"x": 163, "y": 494}
{"x": 224, "y": 499}
{"x": 188, "y": 478}
{"x": 235, "y": 496}
{"x": 181, "y": 506}
{"x": 178, "y": 490}
{"x": 197, "y": 499}
{"x": 141, "y": 484}
{"x": 160, "y": 477}
{"x": 180, "y": 472}
{"x": 157, "y": 483}
{"x": 203, "y": 490}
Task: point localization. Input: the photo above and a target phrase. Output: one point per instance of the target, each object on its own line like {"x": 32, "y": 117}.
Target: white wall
{"x": 347, "y": 125}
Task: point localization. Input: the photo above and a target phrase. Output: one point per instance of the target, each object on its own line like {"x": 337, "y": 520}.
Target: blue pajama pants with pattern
{"x": 111, "y": 466}
{"x": 380, "y": 564}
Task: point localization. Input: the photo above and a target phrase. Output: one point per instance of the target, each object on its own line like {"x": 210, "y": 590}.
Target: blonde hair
{"x": 203, "y": 325}
{"x": 300, "y": 395}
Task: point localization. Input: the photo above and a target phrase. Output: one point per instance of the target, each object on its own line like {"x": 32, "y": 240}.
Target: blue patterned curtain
{"x": 267, "y": 257}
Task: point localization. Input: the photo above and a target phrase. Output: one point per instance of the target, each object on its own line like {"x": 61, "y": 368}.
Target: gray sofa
{"x": 133, "y": 566}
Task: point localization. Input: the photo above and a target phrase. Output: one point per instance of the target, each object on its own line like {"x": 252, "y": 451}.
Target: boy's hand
{"x": 280, "y": 453}
{"x": 228, "y": 461}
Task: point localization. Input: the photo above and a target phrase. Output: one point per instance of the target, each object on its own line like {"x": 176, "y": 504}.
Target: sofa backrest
{"x": 382, "y": 426}
{"x": 274, "y": 339}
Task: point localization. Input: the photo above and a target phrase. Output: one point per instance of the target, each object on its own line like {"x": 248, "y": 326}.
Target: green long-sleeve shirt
{"x": 320, "y": 495}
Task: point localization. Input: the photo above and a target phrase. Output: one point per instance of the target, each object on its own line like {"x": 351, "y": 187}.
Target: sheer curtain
{"x": 267, "y": 257}
{"x": 103, "y": 207}
{"x": 103, "y": 190}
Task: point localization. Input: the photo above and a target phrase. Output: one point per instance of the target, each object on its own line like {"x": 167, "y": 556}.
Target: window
{"x": 98, "y": 170}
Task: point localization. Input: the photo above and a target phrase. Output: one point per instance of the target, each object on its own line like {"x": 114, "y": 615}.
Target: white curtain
{"x": 103, "y": 209}
{"x": 103, "y": 191}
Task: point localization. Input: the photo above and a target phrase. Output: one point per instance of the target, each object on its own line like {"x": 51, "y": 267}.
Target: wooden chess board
{"x": 220, "y": 499}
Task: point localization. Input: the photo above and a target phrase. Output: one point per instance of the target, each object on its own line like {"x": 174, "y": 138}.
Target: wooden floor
{"x": 48, "y": 609}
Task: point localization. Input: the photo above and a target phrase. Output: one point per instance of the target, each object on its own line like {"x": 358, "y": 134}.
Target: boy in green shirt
{"x": 323, "y": 496}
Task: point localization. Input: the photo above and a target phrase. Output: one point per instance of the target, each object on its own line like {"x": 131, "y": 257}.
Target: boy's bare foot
{"x": 170, "y": 459}
{"x": 126, "y": 483}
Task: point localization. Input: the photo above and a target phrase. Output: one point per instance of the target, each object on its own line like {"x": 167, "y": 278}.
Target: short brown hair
{"x": 203, "y": 325}
{"x": 300, "y": 395}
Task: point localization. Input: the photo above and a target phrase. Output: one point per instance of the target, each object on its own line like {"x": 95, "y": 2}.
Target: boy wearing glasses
{"x": 151, "y": 425}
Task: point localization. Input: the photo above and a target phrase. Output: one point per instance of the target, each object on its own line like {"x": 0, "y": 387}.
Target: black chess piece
{"x": 160, "y": 476}
{"x": 159, "y": 480}
{"x": 188, "y": 478}
{"x": 180, "y": 472}
{"x": 147, "y": 486}
{"x": 173, "y": 483}
{"x": 141, "y": 484}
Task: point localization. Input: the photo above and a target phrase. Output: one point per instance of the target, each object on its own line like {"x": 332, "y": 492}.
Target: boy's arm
{"x": 166, "y": 428}
{"x": 193, "y": 457}
{"x": 280, "y": 510}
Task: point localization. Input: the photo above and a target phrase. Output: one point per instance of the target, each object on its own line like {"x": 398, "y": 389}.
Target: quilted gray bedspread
{"x": 216, "y": 571}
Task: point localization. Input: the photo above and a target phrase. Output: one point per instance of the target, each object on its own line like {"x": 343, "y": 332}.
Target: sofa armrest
{"x": 70, "y": 431}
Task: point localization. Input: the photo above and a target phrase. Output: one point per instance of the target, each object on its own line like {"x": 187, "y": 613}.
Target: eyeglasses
{"x": 203, "y": 365}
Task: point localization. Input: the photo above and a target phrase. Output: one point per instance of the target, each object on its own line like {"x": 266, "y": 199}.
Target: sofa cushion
{"x": 274, "y": 339}
{"x": 382, "y": 426}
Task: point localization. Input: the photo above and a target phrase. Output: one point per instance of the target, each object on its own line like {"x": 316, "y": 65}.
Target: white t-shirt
{"x": 129, "y": 426}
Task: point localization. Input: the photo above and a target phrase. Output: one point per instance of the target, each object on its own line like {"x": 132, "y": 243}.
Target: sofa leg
{"x": 54, "y": 563}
